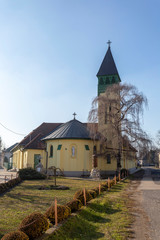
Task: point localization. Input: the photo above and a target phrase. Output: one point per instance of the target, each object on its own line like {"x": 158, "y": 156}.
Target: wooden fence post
{"x": 115, "y": 180}
{"x": 84, "y": 193}
{"x": 99, "y": 188}
{"x": 55, "y": 211}
{"x": 109, "y": 183}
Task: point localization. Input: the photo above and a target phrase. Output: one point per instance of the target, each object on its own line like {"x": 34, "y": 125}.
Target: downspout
{"x": 46, "y": 157}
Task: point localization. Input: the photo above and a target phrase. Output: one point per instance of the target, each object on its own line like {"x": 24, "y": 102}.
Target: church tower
{"x": 107, "y": 76}
{"x": 107, "y": 73}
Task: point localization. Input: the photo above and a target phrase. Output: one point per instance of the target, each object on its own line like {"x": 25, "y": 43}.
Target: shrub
{"x": 62, "y": 213}
{"x": 104, "y": 186}
{"x": 34, "y": 225}
{"x": 93, "y": 193}
{"x": 30, "y": 174}
{"x": 112, "y": 182}
{"x": 96, "y": 189}
{"x": 124, "y": 172}
{"x": 17, "y": 235}
{"x": 80, "y": 195}
{"x": 74, "y": 205}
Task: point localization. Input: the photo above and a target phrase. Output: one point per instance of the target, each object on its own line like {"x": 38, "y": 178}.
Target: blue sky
{"x": 51, "y": 50}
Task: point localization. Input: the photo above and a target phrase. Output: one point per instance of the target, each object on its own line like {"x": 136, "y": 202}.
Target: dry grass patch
{"x": 24, "y": 199}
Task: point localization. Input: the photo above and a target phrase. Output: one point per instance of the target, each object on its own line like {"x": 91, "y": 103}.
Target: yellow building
{"x": 31, "y": 149}
{"x": 68, "y": 147}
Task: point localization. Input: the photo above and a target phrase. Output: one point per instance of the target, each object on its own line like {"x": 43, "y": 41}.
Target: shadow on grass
{"x": 103, "y": 208}
{"x": 76, "y": 228}
{"x": 90, "y": 215}
{"x": 1, "y": 235}
{"x": 117, "y": 188}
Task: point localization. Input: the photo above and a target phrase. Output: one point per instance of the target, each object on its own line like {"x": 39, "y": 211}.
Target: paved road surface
{"x": 149, "y": 200}
{"x": 4, "y": 173}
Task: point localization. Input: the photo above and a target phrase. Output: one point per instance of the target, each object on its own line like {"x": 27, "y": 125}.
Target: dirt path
{"x": 144, "y": 195}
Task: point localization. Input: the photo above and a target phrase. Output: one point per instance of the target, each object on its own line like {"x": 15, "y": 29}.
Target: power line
{"x": 12, "y": 131}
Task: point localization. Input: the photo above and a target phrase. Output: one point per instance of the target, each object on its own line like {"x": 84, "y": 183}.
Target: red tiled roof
{"x": 33, "y": 139}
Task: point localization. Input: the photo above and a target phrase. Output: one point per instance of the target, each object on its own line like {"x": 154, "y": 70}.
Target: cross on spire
{"x": 74, "y": 114}
{"x": 109, "y": 43}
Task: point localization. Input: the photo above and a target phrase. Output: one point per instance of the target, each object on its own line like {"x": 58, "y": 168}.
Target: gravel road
{"x": 147, "y": 207}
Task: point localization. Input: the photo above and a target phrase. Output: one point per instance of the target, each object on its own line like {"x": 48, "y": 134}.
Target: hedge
{"x": 11, "y": 183}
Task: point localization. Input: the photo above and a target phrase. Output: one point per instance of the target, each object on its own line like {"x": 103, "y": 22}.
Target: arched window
{"x": 105, "y": 116}
{"x": 101, "y": 81}
{"x": 73, "y": 150}
{"x": 51, "y": 151}
{"x": 107, "y": 80}
{"x": 113, "y": 80}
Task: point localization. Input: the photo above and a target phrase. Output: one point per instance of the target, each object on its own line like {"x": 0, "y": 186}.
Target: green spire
{"x": 107, "y": 73}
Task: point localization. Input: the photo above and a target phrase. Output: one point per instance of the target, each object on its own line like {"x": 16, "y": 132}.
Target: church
{"x": 69, "y": 146}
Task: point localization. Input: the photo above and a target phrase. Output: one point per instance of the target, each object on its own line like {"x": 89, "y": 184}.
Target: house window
{"x": 51, "y": 151}
{"x": 73, "y": 150}
{"x": 94, "y": 150}
{"x": 87, "y": 147}
{"x": 59, "y": 147}
{"x": 101, "y": 148}
{"x": 108, "y": 159}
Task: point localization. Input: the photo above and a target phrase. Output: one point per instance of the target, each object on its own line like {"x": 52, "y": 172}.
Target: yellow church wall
{"x": 63, "y": 159}
{"x": 82, "y": 161}
{"x": 83, "y": 158}
{"x": 104, "y": 166}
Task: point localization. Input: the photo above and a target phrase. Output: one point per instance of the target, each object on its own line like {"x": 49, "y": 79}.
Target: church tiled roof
{"x": 108, "y": 66}
{"x": 72, "y": 129}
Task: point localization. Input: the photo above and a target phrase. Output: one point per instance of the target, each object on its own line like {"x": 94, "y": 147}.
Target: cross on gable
{"x": 74, "y": 114}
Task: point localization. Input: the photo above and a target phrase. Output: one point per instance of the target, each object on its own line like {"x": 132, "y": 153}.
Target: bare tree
{"x": 118, "y": 113}
{"x": 158, "y": 139}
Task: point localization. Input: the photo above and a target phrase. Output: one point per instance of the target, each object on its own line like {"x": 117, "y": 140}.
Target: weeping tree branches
{"x": 119, "y": 113}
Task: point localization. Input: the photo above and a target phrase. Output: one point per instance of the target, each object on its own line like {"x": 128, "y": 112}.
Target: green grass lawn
{"x": 105, "y": 217}
{"x": 26, "y": 198}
